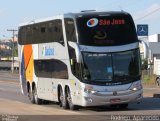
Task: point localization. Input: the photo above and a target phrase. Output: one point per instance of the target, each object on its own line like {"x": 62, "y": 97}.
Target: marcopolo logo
{"x": 47, "y": 51}
{"x": 92, "y": 22}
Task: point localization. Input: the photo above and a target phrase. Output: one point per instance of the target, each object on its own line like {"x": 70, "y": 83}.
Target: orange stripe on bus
{"x": 27, "y": 54}
{"x": 28, "y": 57}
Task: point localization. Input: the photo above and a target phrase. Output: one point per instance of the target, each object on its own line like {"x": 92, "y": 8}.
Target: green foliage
{"x": 15, "y": 51}
{"x": 144, "y": 64}
{"x": 146, "y": 78}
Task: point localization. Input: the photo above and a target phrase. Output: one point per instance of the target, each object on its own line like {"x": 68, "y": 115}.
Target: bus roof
{"x": 41, "y": 20}
{"x": 75, "y": 15}
{"x": 86, "y": 13}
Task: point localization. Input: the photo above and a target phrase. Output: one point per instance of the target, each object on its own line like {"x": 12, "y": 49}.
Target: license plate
{"x": 115, "y": 100}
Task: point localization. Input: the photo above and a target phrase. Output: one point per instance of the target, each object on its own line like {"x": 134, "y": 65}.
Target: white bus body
{"x": 63, "y": 62}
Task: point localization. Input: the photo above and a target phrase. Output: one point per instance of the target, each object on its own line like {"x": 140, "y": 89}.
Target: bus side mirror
{"x": 144, "y": 46}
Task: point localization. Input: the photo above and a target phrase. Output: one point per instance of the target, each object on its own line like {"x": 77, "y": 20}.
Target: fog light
{"x": 88, "y": 99}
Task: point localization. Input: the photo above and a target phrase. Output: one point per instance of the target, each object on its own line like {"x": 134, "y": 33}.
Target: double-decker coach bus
{"x": 81, "y": 59}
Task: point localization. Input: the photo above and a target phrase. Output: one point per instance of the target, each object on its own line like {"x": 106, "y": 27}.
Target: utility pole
{"x": 12, "y": 30}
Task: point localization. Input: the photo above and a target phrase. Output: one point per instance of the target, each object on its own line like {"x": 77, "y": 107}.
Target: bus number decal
{"x": 47, "y": 51}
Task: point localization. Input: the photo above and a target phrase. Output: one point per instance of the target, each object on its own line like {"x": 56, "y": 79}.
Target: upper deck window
{"x": 70, "y": 30}
{"x": 44, "y": 32}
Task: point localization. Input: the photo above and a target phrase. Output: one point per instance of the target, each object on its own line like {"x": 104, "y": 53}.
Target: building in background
{"x": 150, "y": 46}
{"x": 154, "y": 38}
{"x": 154, "y": 46}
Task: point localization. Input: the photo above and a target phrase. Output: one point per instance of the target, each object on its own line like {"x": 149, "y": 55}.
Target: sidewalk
{"x": 151, "y": 91}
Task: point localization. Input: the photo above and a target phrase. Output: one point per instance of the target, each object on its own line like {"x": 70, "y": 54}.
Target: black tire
{"x": 31, "y": 96}
{"x": 69, "y": 100}
{"x": 60, "y": 96}
{"x": 123, "y": 106}
{"x": 37, "y": 100}
{"x": 62, "y": 99}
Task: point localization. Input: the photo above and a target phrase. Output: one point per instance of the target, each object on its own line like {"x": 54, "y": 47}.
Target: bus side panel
{"x": 47, "y": 84}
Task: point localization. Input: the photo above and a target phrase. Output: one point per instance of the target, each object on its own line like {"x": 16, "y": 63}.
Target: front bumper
{"x": 99, "y": 99}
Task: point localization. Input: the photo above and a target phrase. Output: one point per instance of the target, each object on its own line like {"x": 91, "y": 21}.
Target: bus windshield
{"x": 106, "y": 30}
{"x": 118, "y": 67}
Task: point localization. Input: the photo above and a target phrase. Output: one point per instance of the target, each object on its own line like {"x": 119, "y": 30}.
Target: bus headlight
{"x": 136, "y": 86}
{"x": 89, "y": 90}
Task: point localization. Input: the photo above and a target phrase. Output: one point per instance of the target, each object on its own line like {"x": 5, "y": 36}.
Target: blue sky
{"x": 14, "y": 12}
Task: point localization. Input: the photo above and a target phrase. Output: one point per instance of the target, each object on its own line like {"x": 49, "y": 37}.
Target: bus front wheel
{"x": 69, "y": 100}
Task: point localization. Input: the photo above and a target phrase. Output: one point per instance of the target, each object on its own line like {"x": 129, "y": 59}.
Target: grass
{"x": 148, "y": 80}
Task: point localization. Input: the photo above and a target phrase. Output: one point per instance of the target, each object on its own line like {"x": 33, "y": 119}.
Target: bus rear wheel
{"x": 62, "y": 99}
{"x": 69, "y": 100}
{"x": 31, "y": 96}
{"x": 37, "y": 100}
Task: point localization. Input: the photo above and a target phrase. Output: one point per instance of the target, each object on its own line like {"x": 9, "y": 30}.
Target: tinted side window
{"x": 75, "y": 67}
{"x": 25, "y": 34}
{"x": 44, "y": 32}
{"x": 21, "y": 35}
{"x": 70, "y": 30}
{"x": 51, "y": 69}
{"x": 55, "y": 31}
{"x": 43, "y": 68}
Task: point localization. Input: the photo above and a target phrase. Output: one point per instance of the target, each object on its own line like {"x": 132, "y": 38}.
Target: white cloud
{"x": 151, "y": 12}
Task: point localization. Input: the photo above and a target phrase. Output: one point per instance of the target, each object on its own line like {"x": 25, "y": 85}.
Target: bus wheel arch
{"x": 33, "y": 85}
{"x": 28, "y": 87}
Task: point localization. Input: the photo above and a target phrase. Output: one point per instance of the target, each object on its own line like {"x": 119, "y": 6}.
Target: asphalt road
{"x": 14, "y": 105}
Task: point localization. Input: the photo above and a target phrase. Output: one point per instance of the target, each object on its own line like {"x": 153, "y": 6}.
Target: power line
{"x": 152, "y": 12}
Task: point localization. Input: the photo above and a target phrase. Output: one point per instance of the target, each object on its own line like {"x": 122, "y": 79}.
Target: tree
{"x": 144, "y": 64}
